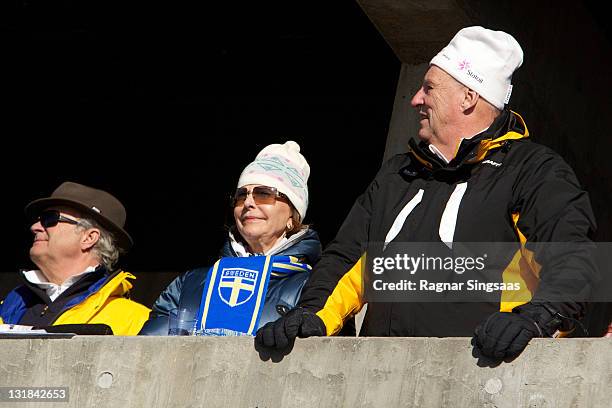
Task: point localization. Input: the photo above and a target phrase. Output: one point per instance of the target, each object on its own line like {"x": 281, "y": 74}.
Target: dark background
{"x": 164, "y": 105}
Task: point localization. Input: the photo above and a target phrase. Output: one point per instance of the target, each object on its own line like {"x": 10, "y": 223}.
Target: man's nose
{"x": 36, "y": 227}
{"x": 417, "y": 99}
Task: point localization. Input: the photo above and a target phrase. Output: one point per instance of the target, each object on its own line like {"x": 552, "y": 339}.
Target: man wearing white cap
{"x": 474, "y": 176}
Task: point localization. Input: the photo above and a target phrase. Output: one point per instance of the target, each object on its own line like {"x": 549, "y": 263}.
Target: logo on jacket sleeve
{"x": 492, "y": 163}
{"x": 237, "y": 285}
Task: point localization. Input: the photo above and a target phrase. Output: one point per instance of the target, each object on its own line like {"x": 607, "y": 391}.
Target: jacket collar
{"x": 508, "y": 126}
{"x": 304, "y": 245}
{"x": 53, "y": 291}
{"x": 84, "y": 307}
{"x": 48, "y": 292}
{"x": 117, "y": 285}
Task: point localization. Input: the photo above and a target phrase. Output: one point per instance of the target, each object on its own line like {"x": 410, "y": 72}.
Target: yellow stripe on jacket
{"x": 522, "y": 269}
{"x": 345, "y": 301}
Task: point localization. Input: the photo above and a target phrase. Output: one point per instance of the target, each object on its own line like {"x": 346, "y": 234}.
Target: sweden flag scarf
{"x": 235, "y": 292}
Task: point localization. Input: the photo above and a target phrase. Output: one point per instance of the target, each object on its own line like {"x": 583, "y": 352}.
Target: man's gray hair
{"x": 106, "y": 248}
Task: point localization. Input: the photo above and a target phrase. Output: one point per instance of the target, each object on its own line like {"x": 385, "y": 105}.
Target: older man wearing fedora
{"x": 77, "y": 238}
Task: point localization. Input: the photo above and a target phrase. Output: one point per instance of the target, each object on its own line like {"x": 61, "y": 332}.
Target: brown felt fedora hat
{"x": 91, "y": 203}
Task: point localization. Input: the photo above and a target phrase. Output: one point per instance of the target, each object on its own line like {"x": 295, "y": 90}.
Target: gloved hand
{"x": 298, "y": 322}
{"x": 505, "y": 335}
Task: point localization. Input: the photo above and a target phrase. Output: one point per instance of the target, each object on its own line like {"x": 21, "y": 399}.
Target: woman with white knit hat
{"x": 271, "y": 199}
{"x": 265, "y": 261}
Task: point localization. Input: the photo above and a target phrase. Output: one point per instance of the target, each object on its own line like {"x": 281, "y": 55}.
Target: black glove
{"x": 505, "y": 335}
{"x": 298, "y": 322}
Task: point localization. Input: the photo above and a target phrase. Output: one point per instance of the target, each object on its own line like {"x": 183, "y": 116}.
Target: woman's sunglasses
{"x": 261, "y": 195}
{"x": 51, "y": 218}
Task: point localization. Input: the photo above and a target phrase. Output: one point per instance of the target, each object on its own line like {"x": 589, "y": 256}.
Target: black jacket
{"x": 515, "y": 189}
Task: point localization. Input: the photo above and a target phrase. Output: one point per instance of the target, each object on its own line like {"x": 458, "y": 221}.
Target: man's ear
{"x": 90, "y": 238}
{"x": 470, "y": 97}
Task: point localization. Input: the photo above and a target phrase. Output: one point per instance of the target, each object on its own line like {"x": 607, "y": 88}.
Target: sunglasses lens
{"x": 261, "y": 195}
{"x": 49, "y": 219}
{"x": 240, "y": 196}
{"x": 264, "y": 195}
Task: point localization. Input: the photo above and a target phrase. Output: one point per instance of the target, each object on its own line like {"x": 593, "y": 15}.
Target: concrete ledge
{"x": 329, "y": 372}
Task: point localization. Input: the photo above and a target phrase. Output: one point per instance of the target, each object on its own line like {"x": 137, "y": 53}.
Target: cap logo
{"x": 96, "y": 209}
{"x": 477, "y": 77}
{"x": 464, "y": 65}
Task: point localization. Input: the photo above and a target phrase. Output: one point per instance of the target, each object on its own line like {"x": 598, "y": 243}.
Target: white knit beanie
{"x": 281, "y": 166}
{"x": 482, "y": 60}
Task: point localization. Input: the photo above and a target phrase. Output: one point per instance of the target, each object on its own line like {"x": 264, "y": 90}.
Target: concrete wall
{"x": 331, "y": 372}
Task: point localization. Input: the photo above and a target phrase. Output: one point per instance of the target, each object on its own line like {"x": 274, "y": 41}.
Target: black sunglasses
{"x": 51, "y": 218}
{"x": 261, "y": 195}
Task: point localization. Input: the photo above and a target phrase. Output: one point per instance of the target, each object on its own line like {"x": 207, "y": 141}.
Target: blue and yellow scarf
{"x": 235, "y": 292}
